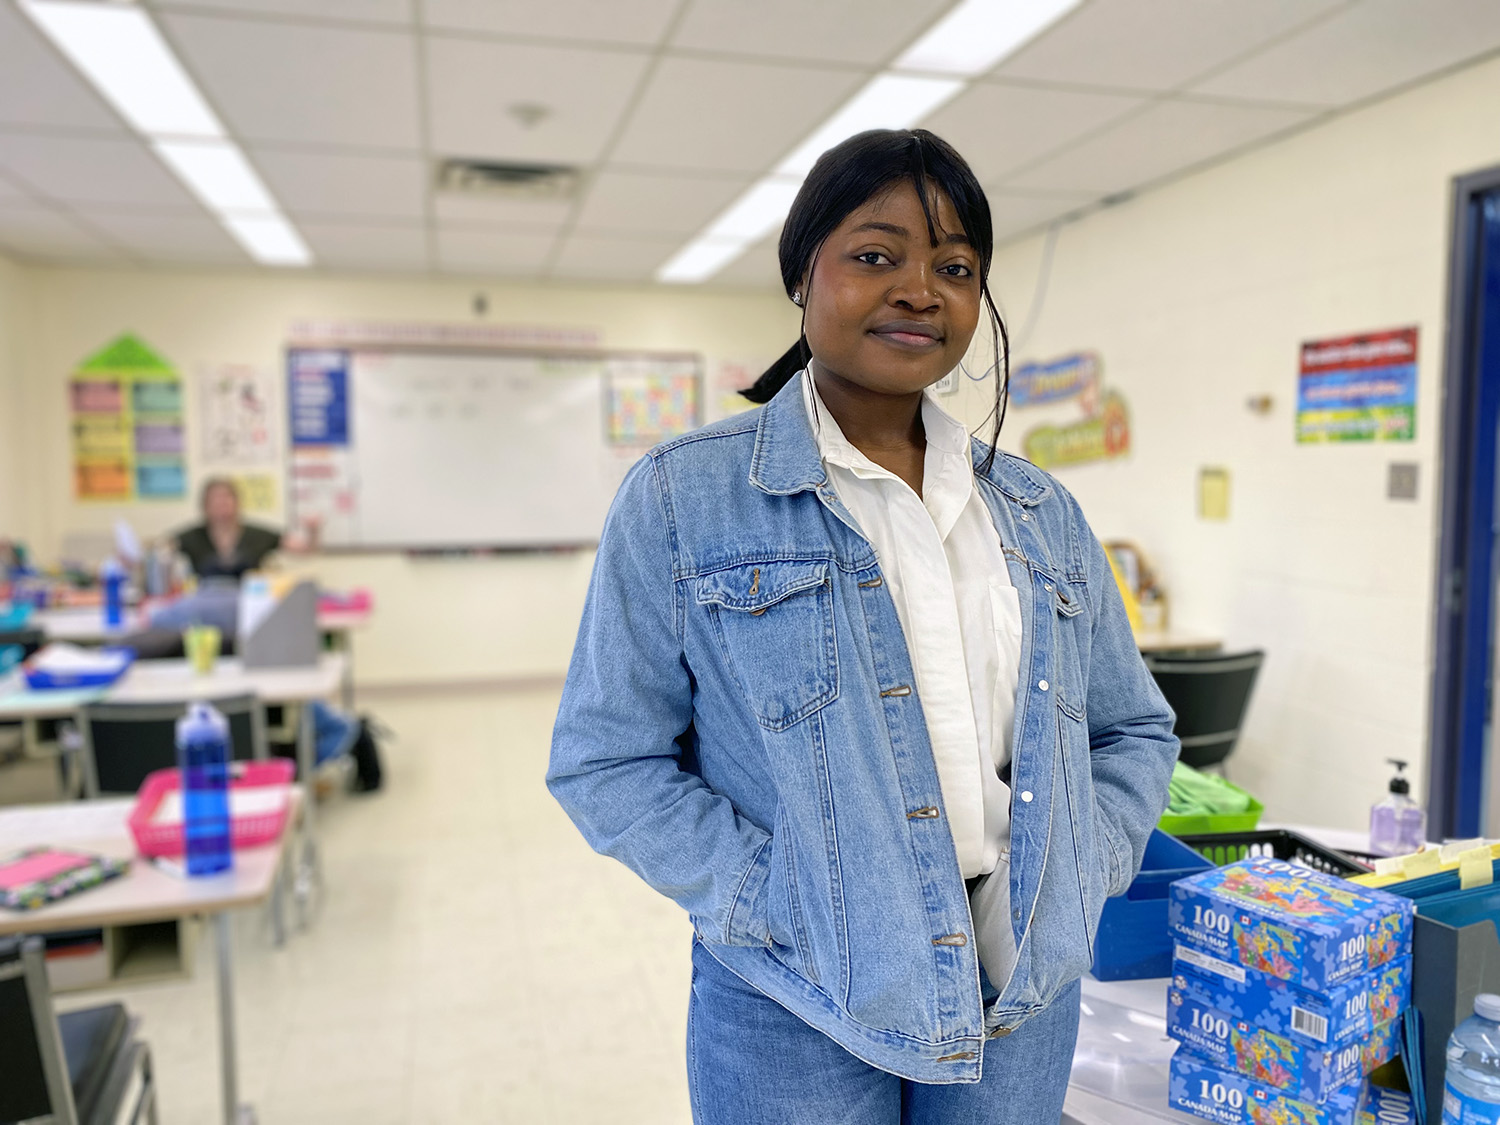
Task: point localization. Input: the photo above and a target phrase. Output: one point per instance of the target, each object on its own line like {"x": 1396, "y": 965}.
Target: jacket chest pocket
{"x": 774, "y": 622}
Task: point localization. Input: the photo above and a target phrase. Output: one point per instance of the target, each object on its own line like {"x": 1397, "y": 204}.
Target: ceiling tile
{"x": 37, "y": 87}
{"x": 1001, "y": 128}
{"x": 499, "y": 253}
{"x": 1155, "y": 44}
{"x": 596, "y": 258}
{"x": 356, "y": 11}
{"x": 345, "y": 186}
{"x": 1370, "y": 47}
{"x": 33, "y": 231}
{"x": 1015, "y": 213}
{"x": 353, "y": 246}
{"x": 642, "y": 203}
{"x": 169, "y": 238}
{"x": 597, "y": 21}
{"x": 740, "y": 117}
{"x": 867, "y": 32}
{"x": 296, "y": 82}
{"x": 90, "y": 170}
{"x": 479, "y": 210}
{"x": 472, "y": 84}
{"x": 757, "y": 268}
{"x": 1170, "y": 136}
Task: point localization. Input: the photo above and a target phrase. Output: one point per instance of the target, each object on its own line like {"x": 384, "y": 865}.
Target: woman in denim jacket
{"x": 858, "y": 692}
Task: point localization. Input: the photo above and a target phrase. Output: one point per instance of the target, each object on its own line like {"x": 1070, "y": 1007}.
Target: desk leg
{"x": 307, "y": 876}
{"x": 346, "y": 687}
{"x": 234, "y": 1113}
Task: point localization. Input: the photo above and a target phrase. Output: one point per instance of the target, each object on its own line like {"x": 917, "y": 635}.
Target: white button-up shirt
{"x": 941, "y": 559}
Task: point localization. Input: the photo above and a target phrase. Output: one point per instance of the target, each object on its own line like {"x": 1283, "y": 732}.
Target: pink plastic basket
{"x": 245, "y": 831}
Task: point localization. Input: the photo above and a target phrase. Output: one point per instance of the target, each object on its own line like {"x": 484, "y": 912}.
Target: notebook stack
{"x": 1287, "y": 991}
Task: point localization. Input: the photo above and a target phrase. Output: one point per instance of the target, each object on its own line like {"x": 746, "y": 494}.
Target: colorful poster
{"x": 234, "y": 406}
{"x": 1099, "y": 437}
{"x": 259, "y": 492}
{"x": 651, "y": 400}
{"x": 319, "y": 396}
{"x": 1056, "y": 380}
{"x": 1359, "y": 388}
{"x": 127, "y": 425}
{"x": 323, "y": 492}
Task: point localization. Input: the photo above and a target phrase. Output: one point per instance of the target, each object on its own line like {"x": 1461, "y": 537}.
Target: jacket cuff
{"x": 748, "y": 922}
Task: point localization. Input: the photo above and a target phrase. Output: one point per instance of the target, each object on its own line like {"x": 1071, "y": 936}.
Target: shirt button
{"x": 1025, "y": 517}
{"x": 1026, "y": 796}
{"x": 1044, "y": 685}
{"x": 1018, "y": 914}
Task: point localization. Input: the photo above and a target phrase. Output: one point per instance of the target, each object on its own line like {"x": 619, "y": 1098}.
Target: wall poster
{"x": 127, "y": 429}
{"x": 1359, "y": 388}
{"x": 1086, "y": 422}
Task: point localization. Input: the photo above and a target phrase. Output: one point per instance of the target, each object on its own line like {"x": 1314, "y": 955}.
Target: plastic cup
{"x": 201, "y": 643}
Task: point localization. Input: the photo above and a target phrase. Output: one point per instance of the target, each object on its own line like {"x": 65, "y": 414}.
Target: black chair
{"x": 123, "y": 742}
{"x": 1210, "y": 693}
{"x": 78, "y": 1068}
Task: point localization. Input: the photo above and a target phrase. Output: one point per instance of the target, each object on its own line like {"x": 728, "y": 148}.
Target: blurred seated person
{"x": 223, "y": 545}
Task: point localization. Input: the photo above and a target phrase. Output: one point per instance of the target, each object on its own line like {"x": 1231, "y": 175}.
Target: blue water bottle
{"x": 203, "y": 758}
{"x": 114, "y": 594}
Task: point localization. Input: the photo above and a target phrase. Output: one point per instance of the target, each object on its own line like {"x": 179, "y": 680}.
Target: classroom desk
{"x": 171, "y": 681}
{"x": 86, "y": 626}
{"x": 168, "y": 681}
{"x": 146, "y": 894}
{"x": 1154, "y": 642}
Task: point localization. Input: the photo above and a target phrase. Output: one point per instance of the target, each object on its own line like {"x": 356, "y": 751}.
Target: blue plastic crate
{"x": 14, "y": 616}
{"x": 1134, "y": 942}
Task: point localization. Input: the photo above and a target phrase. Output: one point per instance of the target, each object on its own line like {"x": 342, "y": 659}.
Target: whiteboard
{"x": 469, "y": 450}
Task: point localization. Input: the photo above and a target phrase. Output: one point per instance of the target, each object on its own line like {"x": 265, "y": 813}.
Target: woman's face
{"x": 886, "y": 309}
{"x": 221, "y": 505}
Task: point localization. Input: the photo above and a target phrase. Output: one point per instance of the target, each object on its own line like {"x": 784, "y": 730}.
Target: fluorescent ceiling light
{"x": 120, "y": 51}
{"x": 218, "y": 174}
{"x": 699, "y": 260}
{"x": 887, "y": 101}
{"x": 270, "y": 239}
{"x": 976, "y": 35}
{"x": 756, "y": 213}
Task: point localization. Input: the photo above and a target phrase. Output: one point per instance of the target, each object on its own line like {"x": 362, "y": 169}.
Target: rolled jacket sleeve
{"x": 1131, "y": 745}
{"x": 627, "y": 710}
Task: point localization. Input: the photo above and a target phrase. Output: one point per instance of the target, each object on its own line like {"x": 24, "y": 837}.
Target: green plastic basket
{"x": 1246, "y": 821}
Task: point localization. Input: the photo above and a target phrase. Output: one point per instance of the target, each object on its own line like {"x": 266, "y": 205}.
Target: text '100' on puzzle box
{"x": 1302, "y": 926}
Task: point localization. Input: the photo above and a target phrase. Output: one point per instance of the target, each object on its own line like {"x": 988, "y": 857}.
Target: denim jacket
{"x": 740, "y": 726}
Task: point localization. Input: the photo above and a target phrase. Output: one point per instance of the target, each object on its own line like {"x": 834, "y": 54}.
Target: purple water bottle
{"x": 114, "y": 594}
{"x": 203, "y": 758}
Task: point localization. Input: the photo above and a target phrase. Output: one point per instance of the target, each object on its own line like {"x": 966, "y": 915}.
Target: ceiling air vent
{"x": 508, "y": 181}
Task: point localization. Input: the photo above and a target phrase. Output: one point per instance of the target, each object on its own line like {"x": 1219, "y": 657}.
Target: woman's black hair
{"x": 848, "y": 176}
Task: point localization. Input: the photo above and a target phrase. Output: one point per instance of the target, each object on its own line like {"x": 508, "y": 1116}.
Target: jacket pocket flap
{"x": 756, "y": 587}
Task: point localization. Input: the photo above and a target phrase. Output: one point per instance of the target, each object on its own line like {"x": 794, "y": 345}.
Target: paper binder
{"x": 281, "y": 632}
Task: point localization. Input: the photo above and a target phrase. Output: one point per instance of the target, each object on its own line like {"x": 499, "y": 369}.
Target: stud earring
{"x": 797, "y": 297}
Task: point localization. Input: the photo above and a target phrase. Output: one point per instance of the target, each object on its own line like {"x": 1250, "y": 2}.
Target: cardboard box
{"x": 1352, "y": 1010}
{"x": 1314, "y": 930}
{"x": 1304, "y": 1071}
{"x": 1227, "y": 1098}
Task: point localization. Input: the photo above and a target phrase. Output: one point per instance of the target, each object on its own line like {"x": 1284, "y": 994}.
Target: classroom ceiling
{"x": 670, "y": 108}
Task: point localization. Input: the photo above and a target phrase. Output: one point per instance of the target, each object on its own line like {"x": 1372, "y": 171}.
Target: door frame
{"x": 1464, "y": 580}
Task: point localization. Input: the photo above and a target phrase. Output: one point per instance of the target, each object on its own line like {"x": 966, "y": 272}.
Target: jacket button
{"x": 1044, "y": 685}
{"x": 1000, "y": 1032}
{"x": 951, "y": 939}
{"x": 1025, "y": 517}
{"x": 1026, "y": 796}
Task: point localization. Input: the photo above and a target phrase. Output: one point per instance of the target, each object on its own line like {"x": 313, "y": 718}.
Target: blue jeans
{"x": 751, "y": 1062}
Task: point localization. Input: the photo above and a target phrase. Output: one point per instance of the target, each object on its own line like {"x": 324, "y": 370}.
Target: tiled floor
{"x": 473, "y": 961}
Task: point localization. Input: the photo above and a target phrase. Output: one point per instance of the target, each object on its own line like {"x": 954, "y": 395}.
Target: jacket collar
{"x": 786, "y": 458}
